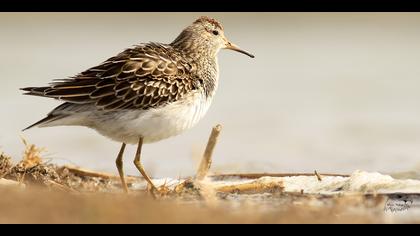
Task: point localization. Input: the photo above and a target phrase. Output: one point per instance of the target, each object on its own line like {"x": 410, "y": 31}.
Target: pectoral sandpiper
{"x": 146, "y": 93}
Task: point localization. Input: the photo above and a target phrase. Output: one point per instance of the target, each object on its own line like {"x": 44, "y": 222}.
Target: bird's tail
{"x": 34, "y": 91}
{"x": 65, "y": 114}
{"x": 46, "y": 120}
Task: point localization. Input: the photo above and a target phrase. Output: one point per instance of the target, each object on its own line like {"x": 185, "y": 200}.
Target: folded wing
{"x": 143, "y": 77}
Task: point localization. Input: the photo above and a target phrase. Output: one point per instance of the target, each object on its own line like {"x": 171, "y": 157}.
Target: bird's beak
{"x": 234, "y": 47}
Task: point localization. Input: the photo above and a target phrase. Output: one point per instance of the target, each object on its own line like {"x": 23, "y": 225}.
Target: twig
{"x": 318, "y": 176}
{"x": 254, "y": 187}
{"x": 259, "y": 175}
{"x": 206, "y": 161}
{"x": 90, "y": 173}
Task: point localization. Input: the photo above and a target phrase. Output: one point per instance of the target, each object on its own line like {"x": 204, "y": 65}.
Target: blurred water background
{"x": 333, "y": 92}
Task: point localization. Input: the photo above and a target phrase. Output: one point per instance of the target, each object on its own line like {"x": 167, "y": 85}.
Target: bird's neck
{"x": 209, "y": 73}
{"x": 194, "y": 46}
{"x": 207, "y": 70}
{"x": 203, "y": 57}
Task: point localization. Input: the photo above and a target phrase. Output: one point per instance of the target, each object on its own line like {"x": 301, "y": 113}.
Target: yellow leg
{"x": 119, "y": 162}
{"x": 140, "y": 167}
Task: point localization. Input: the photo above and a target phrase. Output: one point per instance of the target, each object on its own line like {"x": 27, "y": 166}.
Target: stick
{"x": 253, "y": 187}
{"x": 206, "y": 161}
{"x": 318, "y": 176}
{"x": 90, "y": 173}
{"x": 259, "y": 175}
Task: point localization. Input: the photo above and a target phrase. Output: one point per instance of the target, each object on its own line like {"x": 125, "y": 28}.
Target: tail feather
{"x": 46, "y": 120}
{"x": 70, "y": 93}
{"x": 64, "y": 114}
{"x": 37, "y": 91}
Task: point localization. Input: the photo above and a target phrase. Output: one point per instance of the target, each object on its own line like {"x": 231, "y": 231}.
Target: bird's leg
{"x": 140, "y": 167}
{"x": 119, "y": 162}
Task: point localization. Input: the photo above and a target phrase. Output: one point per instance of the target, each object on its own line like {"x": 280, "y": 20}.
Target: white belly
{"x": 154, "y": 124}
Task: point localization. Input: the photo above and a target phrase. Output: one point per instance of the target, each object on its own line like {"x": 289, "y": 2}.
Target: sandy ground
{"x": 45, "y": 206}
{"x": 34, "y": 192}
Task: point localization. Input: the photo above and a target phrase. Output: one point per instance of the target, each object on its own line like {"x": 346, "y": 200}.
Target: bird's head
{"x": 207, "y": 32}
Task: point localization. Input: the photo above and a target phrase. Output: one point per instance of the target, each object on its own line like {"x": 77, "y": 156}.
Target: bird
{"x": 146, "y": 93}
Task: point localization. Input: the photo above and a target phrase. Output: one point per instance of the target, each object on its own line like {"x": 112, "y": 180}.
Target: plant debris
{"x": 31, "y": 170}
{"x": 31, "y": 156}
{"x": 5, "y": 165}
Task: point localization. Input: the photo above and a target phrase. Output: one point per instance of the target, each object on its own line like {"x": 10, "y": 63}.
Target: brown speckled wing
{"x": 146, "y": 76}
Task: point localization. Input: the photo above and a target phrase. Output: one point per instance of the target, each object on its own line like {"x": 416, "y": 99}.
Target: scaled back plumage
{"x": 143, "y": 77}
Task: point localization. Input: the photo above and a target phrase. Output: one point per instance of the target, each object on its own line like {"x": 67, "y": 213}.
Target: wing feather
{"x": 143, "y": 77}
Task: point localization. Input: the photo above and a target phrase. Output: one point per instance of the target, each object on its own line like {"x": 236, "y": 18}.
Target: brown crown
{"x": 212, "y": 21}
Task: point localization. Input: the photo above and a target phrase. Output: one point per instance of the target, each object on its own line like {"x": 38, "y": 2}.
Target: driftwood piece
{"x": 206, "y": 161}
{"x": 89, "y": 173}
{"x": 259, "y": 175}
{"x": 253, "y": 187}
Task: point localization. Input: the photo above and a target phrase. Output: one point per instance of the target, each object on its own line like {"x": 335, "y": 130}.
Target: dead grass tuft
{"x": 33, "y": 170}
{"x": 5, "y": 165}
{"x": 31, "y": 156}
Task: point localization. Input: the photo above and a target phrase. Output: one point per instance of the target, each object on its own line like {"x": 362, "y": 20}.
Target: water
{"x": 333, "y": 92}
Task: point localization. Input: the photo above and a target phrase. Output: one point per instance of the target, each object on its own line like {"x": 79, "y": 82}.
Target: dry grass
{"x": 31, "y": 155}
{"x": 32, "y": 171}
{"x": 5, "y": 165}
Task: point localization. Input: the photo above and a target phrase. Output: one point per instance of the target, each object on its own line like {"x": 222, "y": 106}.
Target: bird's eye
{"x": 215, "y": 32}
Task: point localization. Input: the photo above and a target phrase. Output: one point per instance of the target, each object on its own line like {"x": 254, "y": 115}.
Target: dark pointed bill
{"x": 234, "y": 47}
